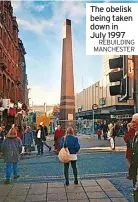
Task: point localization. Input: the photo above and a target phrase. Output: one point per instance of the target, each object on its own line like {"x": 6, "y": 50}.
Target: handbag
{"x": 64, "y": 155}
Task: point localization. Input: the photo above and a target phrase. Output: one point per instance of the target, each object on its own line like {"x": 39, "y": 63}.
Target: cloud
{"x": 40, "y": 95}
{"x": 61, "y": 10}
{"x": 16, "y": 5}
{"x": 37, "y": 26}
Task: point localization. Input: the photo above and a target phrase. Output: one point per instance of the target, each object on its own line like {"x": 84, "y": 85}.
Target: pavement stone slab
{"x": 119, "y": 200}
{"x": 56, "y": 197}
{"x": 4, "y": 192}
{"x": 100, "y": 200}
{"x": 18, "y": 192}
{"x": 93, "y": 189}
{"x": 56, "y": 190}
{"x": 37, "y": 186}
{"x": 36, "y": 198}
{"x": 15, "y": 199}
{"x": 56, "y": 185}
{"x": 114, "y": 194}
{"x": 76, "y": 196}
{"x": 2, "y": 198}
{"x": 109, "y": 189}
{"x": 89, "y": 183}
{"x": 73, "y": 189}
{"x": 84, "y": 200}
{"x": 97, "y": 195}
{"x": 21, "y": 186}
{"x": 37, "y": 191}
{"x": 104, "y": 182}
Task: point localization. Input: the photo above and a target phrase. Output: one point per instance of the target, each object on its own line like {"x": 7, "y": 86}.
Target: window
{"x": 0, "y": 32}
{"x": 4, "y": 38}
{"x": 0, "y": 52}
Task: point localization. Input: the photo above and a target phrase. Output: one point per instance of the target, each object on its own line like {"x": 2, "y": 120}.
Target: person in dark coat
{"x": 128, "y": 138}
{"x": 27, "y": 139}
{"x": 11, "y": 149}
{"x": 40, "y": 138}
{"x": 1, "y": 137}
{"x": 45, "y": 130}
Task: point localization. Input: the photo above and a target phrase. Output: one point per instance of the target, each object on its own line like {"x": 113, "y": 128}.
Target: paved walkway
{"x": 91, "y": 143}
{"x": 91, "y": 190}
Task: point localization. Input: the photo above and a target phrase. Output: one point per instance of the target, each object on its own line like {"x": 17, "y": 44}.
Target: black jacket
{"x": 43, "y": 136}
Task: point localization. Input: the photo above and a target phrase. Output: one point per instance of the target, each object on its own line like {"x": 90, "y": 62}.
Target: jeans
{"x": 66, "y": 168}
{"x": 40, "y": 146}
{"x": 46, "y": 145}
{"x": 9, "y": 170}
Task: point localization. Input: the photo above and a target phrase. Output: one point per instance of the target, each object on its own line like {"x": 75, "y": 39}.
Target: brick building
{"x": 13, "y": 78}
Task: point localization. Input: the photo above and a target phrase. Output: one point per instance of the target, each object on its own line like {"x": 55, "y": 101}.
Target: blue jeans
{"x": 9, "y": 170}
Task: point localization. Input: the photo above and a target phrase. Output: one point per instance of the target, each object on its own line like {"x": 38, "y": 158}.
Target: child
{"x": 99, "y": 133}
{"x": 11, "y": 149}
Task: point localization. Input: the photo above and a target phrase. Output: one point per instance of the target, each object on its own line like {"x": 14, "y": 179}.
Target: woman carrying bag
{"x": 70, "y": 141}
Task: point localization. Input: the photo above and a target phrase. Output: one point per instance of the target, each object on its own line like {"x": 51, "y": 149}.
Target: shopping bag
{"x": 23, "y": 150}
{"x": 64, "y": 155}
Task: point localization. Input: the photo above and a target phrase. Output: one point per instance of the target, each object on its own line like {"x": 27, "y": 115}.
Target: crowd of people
{"x": 13, "y": 142}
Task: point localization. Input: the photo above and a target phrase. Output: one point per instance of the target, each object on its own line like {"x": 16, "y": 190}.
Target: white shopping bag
{"x": 23, "y": 150}
{"x": 112, "y": 143}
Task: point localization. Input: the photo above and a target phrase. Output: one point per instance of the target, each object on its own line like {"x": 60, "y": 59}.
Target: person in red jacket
{"x": 99, "y": 133}
{"x": 129, "y": 140}
{"x": 59, "y": 133}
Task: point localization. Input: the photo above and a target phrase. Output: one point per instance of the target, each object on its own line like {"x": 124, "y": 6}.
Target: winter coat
{"x": 129, "y": 136}
{"x": 72, "y": 143}
{"x": 43, "y": 137}
{"x": 1, "y": 138}
{"x": 11, "y": 149}
{"x": 27, "y": 138}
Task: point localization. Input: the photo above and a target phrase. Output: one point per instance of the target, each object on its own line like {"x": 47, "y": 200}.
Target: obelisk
{"x": 67, "y": 101}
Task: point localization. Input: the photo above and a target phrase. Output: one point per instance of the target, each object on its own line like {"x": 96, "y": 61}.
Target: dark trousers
{"x": 40, "y": 146}
{"x": 66, "y": 169}
{"x": 99, "y": 137}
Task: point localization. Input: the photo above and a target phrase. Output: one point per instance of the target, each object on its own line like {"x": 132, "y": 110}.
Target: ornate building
{"x": 13, "y": 77}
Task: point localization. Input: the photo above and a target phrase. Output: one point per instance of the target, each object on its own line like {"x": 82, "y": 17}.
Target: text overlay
{"x": 111, "y": 29}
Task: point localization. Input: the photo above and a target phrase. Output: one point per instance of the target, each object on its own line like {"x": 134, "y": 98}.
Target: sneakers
{"x": 7, "y": 181}
{"x": 16, "y": 177}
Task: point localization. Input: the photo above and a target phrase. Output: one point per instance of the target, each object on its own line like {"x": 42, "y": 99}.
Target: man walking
{"x": 45, "y": 130}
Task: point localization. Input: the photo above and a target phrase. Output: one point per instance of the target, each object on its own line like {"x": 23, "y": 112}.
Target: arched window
{"x": 12, "y": 92}
{"x": 8, "y": 88}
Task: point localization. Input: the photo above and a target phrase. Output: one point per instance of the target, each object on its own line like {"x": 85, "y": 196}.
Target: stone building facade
{"x": 13, "y": 78}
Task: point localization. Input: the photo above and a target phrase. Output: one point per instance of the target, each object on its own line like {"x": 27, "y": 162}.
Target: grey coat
{"x": 11, "y": 149}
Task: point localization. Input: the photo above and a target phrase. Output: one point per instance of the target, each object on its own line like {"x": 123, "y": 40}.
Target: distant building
{"x": 99, "y": 94}
{"x": 41, "y": 109}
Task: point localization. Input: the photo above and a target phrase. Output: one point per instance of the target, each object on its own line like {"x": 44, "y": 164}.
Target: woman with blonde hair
{"x": 11, "y": 149}
{"x": 71, "y": 142}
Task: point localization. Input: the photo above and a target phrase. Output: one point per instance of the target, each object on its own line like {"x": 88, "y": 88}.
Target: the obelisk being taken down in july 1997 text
{"x": 67, "y": 102}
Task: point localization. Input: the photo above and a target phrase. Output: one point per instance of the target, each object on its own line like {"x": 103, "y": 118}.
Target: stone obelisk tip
{"x": 67, "y": 22}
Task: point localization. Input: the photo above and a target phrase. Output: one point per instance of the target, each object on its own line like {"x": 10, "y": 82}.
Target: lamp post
{"x": 94, "y": 107}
